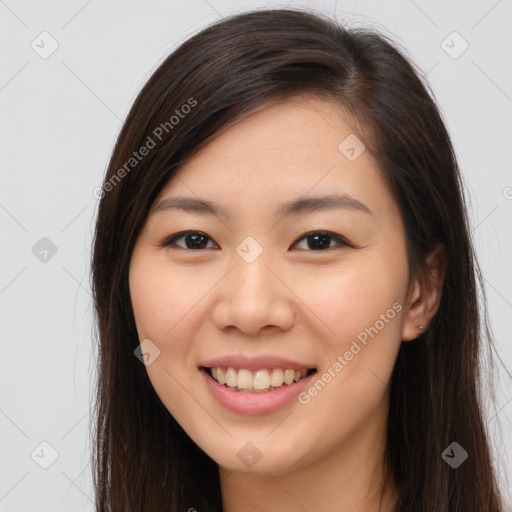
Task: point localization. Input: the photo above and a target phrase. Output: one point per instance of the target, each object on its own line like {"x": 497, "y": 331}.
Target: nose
{"x": 254, "y": 298}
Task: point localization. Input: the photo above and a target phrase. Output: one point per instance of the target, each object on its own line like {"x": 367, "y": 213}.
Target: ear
{"x": 424, "y": 295}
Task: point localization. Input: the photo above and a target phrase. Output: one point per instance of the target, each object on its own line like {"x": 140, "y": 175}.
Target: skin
{"x": 292, "y": 301}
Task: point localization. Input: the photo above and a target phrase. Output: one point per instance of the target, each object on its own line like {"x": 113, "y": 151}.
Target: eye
{"x": 194, "y": 240}
{"x": 197, "y": 240}
{"x": 320, "y": 240}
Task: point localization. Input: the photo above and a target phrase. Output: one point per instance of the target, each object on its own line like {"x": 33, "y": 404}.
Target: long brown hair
{"x": 143, "y": 460}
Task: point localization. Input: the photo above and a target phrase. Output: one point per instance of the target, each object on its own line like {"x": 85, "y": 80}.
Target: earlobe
{"x": 423, "y": 303}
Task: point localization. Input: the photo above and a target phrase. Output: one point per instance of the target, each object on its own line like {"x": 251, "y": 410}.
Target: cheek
{"x": 160, "y": 304}
{"x": 160, "y": 298}
{"x": 344, "y": 303}
{"x": 360, "y": 310}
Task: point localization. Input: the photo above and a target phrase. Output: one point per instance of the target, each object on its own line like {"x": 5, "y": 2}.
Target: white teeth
{"x": 289, "y": 375}
{"x": 258, "y": 381}
{"x": 261, "y": 379}
{"x": 244, "y": 380}
{"x": 231, "y": 378}
{"x": 277, "y": 378}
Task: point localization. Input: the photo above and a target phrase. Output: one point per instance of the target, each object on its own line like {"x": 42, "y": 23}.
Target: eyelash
{"x": 169, "y": 242}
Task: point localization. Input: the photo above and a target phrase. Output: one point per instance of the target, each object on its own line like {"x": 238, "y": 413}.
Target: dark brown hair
{"x": 143, "y": 461}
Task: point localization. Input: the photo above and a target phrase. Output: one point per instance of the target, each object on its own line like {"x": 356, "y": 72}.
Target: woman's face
{"x": 267, "y": 299}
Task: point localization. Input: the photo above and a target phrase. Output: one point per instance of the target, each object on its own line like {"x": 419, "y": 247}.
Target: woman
{"x": 285, "y": 286}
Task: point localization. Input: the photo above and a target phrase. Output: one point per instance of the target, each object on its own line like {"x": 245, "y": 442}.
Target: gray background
{"x": 60, "y": 115}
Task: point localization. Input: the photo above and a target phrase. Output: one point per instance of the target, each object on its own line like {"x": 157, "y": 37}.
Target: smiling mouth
{"x": 257, "y": 381}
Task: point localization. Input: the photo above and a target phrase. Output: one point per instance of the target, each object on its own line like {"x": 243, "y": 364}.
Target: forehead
{"x": 300, "y": 147}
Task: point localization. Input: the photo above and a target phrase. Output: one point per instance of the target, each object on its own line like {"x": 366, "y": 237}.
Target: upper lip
{"x": 255, "y": 363}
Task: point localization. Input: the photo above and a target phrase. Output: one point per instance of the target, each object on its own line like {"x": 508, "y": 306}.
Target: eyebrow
{"x": 295, "y": 207}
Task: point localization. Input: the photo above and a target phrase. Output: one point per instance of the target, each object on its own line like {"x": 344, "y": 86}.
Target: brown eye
{"x": 321, "y": 240}
{"x": 193, "y": 240}
{"x": 196, "y": 240}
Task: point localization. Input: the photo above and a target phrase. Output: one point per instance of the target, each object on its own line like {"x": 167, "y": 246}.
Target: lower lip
{"x": 254, "y": 403}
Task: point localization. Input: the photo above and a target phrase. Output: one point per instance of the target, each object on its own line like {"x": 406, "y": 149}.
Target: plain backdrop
{"x": 70, "y": 71}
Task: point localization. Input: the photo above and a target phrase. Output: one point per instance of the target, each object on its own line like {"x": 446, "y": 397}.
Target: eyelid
{"x": 342, "y": 241}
